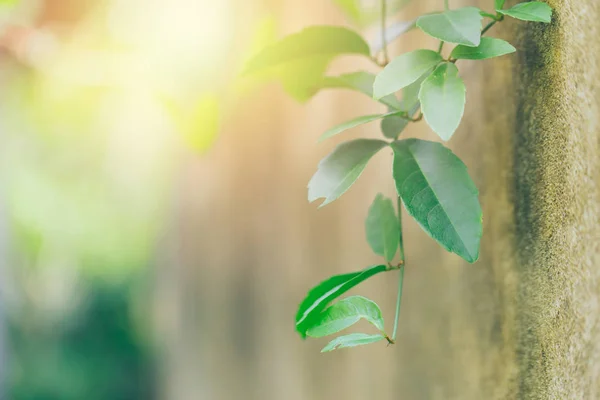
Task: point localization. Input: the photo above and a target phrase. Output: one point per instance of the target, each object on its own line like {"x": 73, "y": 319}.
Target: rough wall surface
{"x": 557, "y": 205}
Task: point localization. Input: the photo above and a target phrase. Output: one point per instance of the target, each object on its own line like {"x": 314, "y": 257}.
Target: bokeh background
{"x": 155, "y": 237}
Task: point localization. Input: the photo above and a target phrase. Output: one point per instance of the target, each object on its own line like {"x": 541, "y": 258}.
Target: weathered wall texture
{"x": 522, "y": 323}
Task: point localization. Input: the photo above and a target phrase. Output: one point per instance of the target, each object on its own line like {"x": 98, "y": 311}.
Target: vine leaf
{"x": 312, "y": 41}
{"x": 499, "y": 4}
{"x": 535, "y": 11}
{"x": 437, "y": 191}
{"x": 344, "y": 314}
{"x": 462, "y": 26}
{"x": 382, "y": 227}
{"x": 392, "y": 32}
{"x": 392, "y": 126}
{"x": 488, "y": 48}
{"x": 404, "y": 70}
{"x": 360, "y": 81}
{"x": 354, "y": 123}
{"x": 319, "y": 296}
{"x": 341, "y": 168}
{"x": 442, "y": 98}
{"x": 352, "y": 340}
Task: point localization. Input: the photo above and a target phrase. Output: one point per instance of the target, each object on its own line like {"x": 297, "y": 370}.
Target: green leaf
{"x": 352, "y": 340}
{"x": 354, "y": 123}
{"x": 341, "y": 168}
{"x": 345, "y": 314}
{"x": 498, "y": 4}
{"x": 322, "y": 294}
{"x": 365, "y": 13}
{"x": 301, "y": 78}
{"x": 462, "y": 26}
{"x": 362, "y": 82}
{"x": 392, "y": 126}
{"x": 312, "y": 41}
{"x": 404, "y": 70}
{"x": 442, "y": 98}
{"x": 437, "y": 191}
{"x": 392, "y": 32}
{"x": 535, "y": 11}
{"x": 382, "y": 227}
{"x": 488, "y": 48}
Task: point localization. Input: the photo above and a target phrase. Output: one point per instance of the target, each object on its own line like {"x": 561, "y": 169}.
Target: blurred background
{"x": 155, "y": 237}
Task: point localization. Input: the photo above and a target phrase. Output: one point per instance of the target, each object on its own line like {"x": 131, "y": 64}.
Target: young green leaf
{"x": 442, "y": 98}
{"x": 499, "y": 4}
{"x": 341, "y": 168}
{"x": 438, "y": 192}
{"x": 382, "y": 227}
{"x": 535, "y": 11}
{"x": 392, "y": 126}
{"x": 488, "y": 48}
{"x": 344, "y": 314}
{"x": 319, "y": 296}
{"x": 462, "y": 26}
{"x": 404, "y": 70}
{"x": 312, "y": 41}
{"x": 392, "y": 32}
{"x": 352, "y": 340}
{"x": 362, "y": 82}
{"x": 354, "y": 123}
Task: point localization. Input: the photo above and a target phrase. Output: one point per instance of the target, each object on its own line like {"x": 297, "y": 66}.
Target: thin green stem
{"x": 488, "y": 27}
{"x": 446, "y": 5}
{"x": 398, "y": 300}
{"x": 400, "y": 241}
{"x": 386, "y": 58}
{"x": 488, "y": 15}
{"x": 400, "y": 273}
{"x": 441, "y": 47}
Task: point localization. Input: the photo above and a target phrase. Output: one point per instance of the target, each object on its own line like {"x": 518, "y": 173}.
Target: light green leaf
{"x": 392, "y": 126}
{"x": 462, "y": 26}
{"x": 322, "y": 294}
{"x": 499, "y": 4}
{"x": 404, "y": 70}
{"x": 344, "y": 314}
{"x": 312, "y": 41}
{"x": 362, "y": 82}
{"x": 341, "y": 168}
{"x": 364, "y": 13}
{"x": 442, "y": 98}
{"x": 352, "y": 340}
{"x": 488, "y": 48}
{"x": 535, "y": 11}
{"x": 392, "y": 32}
{"x": 382, "y": 227}
{"x": 437, "y": 191}
{"x": 354, "y": 123}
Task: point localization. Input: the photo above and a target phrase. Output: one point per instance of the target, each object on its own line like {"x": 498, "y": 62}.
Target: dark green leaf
{"x": 404, "y": 70}
{"x": 352, "y": 340}
{"x": 341, "y": 168}
{"x": 393, "y": 125}
{"x": 353, "y": 123}
{"x": 322, "y": 294}
{"x": 344, "y": 314}
{"x": 535, "y": 11}
{"x": 462, "y": 26}
{"x": 442, "y": 98}
{"x": 362, "y": 82}
{"x": 312, "y": 41}
{"x": 382, "y": 227}
{"x": 438, "y": 192}
{"x": 488, "y": 48}
{"x": 499, "y": 4}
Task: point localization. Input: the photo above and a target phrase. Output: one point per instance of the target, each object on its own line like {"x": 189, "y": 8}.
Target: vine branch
{"x": 386, "y": 57}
